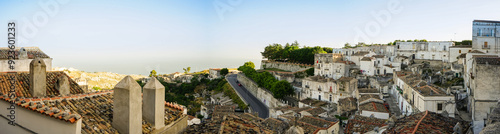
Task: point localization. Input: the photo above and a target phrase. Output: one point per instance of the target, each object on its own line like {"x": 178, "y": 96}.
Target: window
{"x": 470, "y": 50}
{"x": 479, "y": 33}
{"x": 485, "y": 45}
{"x": 459, "y": 51}
{"x": 440, "y": 106}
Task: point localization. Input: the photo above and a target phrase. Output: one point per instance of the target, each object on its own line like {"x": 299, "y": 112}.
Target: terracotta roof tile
{"x": 363, "y": 124}
{"x": 23, "y": 83}
{"x": 426, "y": 122}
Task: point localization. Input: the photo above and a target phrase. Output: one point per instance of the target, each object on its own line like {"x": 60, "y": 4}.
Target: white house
{"x": 367, "y": 66}
{"x": 485, "y": 36}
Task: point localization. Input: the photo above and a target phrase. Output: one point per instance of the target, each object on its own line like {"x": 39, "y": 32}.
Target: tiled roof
{"x": 348, "y": 104}
{"x": 426, "y": 122}
{"x": 366, "y": 59}
{"x": 319, "y": 78}
{"x": 429, "y": 90}
{"x": 373, "y": 106}
{"x": 461, "y": 46}
{"x": 402, "y": 56}
{"x": 462, "y": 55}
{"x": 476, "y": 51}
{"x": 274, "y": 124}
{"x": 368, "y": 90}
{"x": 313, "y": 103}
{"x": 489, "y": 21}
{"x": 233, "y": 124}
{"x": 369, "y": 96}
{"x": 23, "y": 84}
{"x": 361, "y": 53}
{"x": 346, "y": 79}
{"x": 43, "y": 107}
{"x": 346, "y": 62}
{"x": 95, "y": 110}
{"x": 316, "y": 111}
{"x": 317, "y": 122}
{"x": 32, "y": 52}
{"x": 378, "y": 56}
{"x": 488, "y": 60}
{"x": 363, "y": 124}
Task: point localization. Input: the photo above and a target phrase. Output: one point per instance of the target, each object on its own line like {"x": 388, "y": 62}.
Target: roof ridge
{"x": 420, "y": 121}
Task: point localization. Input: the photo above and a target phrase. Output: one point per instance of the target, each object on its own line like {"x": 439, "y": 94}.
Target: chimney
{"x": 23, "y": 54}
{"x": 154, "y": 103}
{"x": 62, "y": 85}
{"x": 38, "y": 78}
{"x": 127, "y": 114}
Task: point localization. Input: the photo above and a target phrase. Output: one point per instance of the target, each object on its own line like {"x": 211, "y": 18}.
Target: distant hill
{"x": 104, "y": 80}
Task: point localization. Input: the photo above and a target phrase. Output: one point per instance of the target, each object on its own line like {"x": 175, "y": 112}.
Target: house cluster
{"x": 51, "y": 102}
{"x": 435, "y": 83}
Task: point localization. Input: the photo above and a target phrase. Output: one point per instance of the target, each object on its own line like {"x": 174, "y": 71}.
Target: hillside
{"x": 104, "y": 80}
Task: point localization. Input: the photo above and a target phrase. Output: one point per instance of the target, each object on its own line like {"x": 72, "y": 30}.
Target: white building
{"x": 325, "y": 66}
{"x": 356, "y": 58}
{"x": 24, "y": 57}
{"x": 320, "y": 88}
{"x": 435, "y": 50}
{"x": 485, "y": 36}
{"x": 214, "y": 73}
{"x": 367, "y": 66}
{"x": 456, "y": 51}
{"x": 485, "y": 89}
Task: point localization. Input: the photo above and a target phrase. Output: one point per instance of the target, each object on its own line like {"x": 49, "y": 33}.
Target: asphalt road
{"x": 255, "y": 104}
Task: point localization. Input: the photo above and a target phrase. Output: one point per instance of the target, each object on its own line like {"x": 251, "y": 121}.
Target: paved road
{"x": 255, "y": 104}
{"x": 393, "y": 105}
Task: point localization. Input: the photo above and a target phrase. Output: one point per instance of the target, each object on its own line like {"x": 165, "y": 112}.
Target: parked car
{"x": 239, "y": 84}
{"x": 237, "y": 81}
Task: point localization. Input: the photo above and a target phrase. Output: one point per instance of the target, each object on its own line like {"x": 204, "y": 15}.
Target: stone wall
{"x": 293, "y": 67}
{"x": 264, "y": 95}
{"x": 175, "y": 127}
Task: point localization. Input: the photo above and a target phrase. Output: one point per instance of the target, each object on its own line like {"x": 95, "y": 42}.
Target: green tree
{"x": 96, "y": 88}
{"x": 152, "y": 73}
{"x": 249, "y": 64}
{"x": 310, "y": 71}
{"x": 186, "y": 70}
{"x": 224, "y": 71}
{"x": 281, "y": 88}
{"x": 347, "y": 45}
{"x": 328, "y": 49}
{"x": 273, "y": 51}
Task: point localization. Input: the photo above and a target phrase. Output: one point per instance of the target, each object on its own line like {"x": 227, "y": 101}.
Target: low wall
{"x": 175, "y": 127}
{"x": 293, "y": 67}
{"x": 264, "y": 95}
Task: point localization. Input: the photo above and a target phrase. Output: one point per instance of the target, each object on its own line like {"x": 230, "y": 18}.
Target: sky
{"x": 135, "y": 37}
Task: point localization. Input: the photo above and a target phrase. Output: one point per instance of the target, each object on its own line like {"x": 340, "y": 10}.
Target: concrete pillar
{"x": 127, "y": 114}
{"x": 62, "y": 85}
{"x": 38, "y": 78}
{"x": 154, "y": 103}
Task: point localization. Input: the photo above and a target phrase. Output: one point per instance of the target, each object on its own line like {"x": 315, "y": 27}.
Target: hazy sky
{"x": 134, "y": 37}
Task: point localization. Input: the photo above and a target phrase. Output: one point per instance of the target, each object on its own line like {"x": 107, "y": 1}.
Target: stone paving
{"x": 393, "y": 105}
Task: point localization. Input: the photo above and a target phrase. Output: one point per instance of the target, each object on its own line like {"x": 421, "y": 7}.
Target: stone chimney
{"x": 38, "y": 78}
{"x": 154, "y": 103}
{"x": 127, "y": 114}
{"x": 23, "y": 54}
{"x": 62, "y": 85}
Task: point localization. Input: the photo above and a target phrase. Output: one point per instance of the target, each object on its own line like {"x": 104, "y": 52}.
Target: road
{"x": 255, "y": 104}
